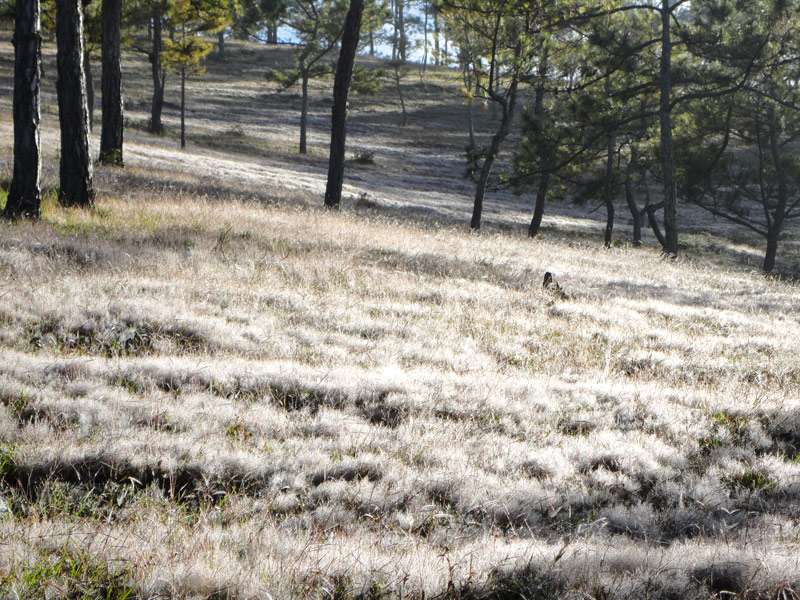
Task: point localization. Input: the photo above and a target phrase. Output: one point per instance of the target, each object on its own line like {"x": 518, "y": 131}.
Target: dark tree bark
{"x": 304, "y": 113}
{"x": 608, "y": 192}
{"x": 636, "y": 214}
{"x": 665, "y": 119}
{"x": 76, "y": 187}
{"x": 545, "y": 153}
{"x": 776, "y": 222}
{"x": 401, "y": 22}
{"x": 341, "y": 88}
{"x": 112, "y": 132}
{"x": 436, "y": 33}
{"x": 539, "y": 204}
{"x": 87, "y": 69}
{"x": 221, "y": 44}
{"x": 183, "y": 108}
{"x": 157, "y": 72}
{"x": 24, "y": 195}
{"x": 508, "y": 103}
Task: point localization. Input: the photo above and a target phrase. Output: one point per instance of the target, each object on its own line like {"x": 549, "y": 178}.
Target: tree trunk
{"x": 436, "y": 56}
{"x": 158, "y": 74}
{"x": 221, "y": 44}
{"x": 545, "y": 153}
{"x": 111, "y": 135}
{"x": 371, "y": 43}
{"x": 304, "y": 114}
{"x": 509, "y": 106}
{"x": 76, "y": 163}
{"x": 24, "y": 195}
{"x": 400, "y": 96}
{"x": 539, "y": 205}
{"x": 609, "y": 189}
{"x": 395, "y": 30}
{"x": 636, "y": 214}
{"x": 425, "y": 38}
{"x": 341, "y": 87}
{"x": 401, "y": 19}
{"x": 272, "y": 33}
{"x": 775, "y": 228}
{"x": 183, "y": 108}
{"x": 665, "y": 120}
{"x": 87, "y": 69}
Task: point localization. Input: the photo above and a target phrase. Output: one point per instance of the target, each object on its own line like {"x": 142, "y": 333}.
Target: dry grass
{"x": 211, "y": 390}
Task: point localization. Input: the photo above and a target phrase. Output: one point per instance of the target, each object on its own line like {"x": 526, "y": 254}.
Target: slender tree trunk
{"x": 113, "y": 124}
{"x": 272, "y": 33}
{"x": 183, "y": 108}
{"x": 400, "y": 96}
{"x": 608, "y": 194}
{"x": 24, "y": 195}
{"x": 509, "y": 106}
{"x": 446, "y": 53}
{"x": 636, "y": 214}
{"x": 395, "y": 30}
{"x": 221, "y": 44}
{"x": 775, "y": 228}
{"x": 87, "y": 69}
{"x": 341, "y": 87}
{"x": 545, "y": 152}
{"x": 158, "y": 74}
{"x": 425, "y": 38}
{"x": 76, "y": 161}
{"x": 304, "y": 114}
{"x": 436, "y": 57}
{"x": 371, "y": 43}
{"x": 665, "y": 120}
{"x": 401, "y": 18}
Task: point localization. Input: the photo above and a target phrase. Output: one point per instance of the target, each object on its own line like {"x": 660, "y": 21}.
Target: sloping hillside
{"x": 211, "y": 388}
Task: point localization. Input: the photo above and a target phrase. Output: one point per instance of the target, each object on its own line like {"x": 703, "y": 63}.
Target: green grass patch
{"x": 70, "y": 573}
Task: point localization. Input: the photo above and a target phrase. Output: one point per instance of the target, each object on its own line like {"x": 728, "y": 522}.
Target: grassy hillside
{"x": 211, "y": 388}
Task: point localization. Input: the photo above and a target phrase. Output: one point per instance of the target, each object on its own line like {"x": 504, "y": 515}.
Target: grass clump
{"x": 750, "y": 480}
{"x": 70, "y": 573}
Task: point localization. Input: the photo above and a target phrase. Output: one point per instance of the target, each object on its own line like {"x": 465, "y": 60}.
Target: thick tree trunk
{"x": 221, "y": 44}
{"x": 158, "y": 74}
{"x": 665, "y": 120}
{"x": 24, "y": 195}
{"x": 272, "y": 33}
{"x": 304, "y": 115}
{"x": 76, "y": 162}
{"x": 183, "y": 108}
{"x": 608, "y": 194}
{"x": 113, "y": 124}
{"x": 87, "y": 69}
{"x": 341, "y": 87}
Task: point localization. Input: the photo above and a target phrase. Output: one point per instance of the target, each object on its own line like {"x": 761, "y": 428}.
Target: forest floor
{"x": 210, "y": 387}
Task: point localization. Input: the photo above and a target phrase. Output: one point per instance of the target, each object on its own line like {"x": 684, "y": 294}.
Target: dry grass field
{"x": 210, "y": 388}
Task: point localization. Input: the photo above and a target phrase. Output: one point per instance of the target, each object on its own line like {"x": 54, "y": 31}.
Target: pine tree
{"x": 341, "y": 88}
{"x": 112, "y": 130}
{"x": 76, "y": 173}
{"x": 24, "y": 195}
{"x": 185, "y": 53}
